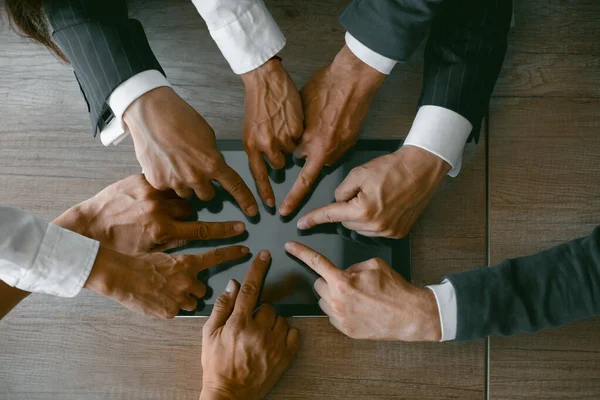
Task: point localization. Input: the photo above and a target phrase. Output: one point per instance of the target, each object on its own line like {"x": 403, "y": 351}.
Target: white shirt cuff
{"x": 122, "y": 97}
{"x": 368, "y": 56}
{"x": 442, "y": 132}
{"x": 62, "y": 265}
{"x": 445, "y": 296}
{"x": 247, "y": 38}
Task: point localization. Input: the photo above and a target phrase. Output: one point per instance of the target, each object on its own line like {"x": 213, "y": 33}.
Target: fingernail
{"x": 289, "y": 246}
{"x": 270, "y": 203}
{"x": 264, "y": 255}
{"x": 245, "y": 250}
{"x": 239, "y": 227}
{"x": 230, "y": 286}
{"x": 252, "y": 210}
{"x": 302, "y": 223}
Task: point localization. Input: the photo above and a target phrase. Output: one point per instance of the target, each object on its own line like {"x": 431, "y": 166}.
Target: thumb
{"x": 206, "y": 230}
{"x": 223, "y": 308}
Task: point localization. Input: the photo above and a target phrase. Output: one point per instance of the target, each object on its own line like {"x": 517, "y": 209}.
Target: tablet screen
{"x": 289, "y": 283}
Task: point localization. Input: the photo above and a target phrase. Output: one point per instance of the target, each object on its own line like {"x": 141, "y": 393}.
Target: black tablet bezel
{"x": 400, "y": 248}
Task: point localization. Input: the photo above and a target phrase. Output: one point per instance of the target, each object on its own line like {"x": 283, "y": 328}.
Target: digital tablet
{"x": 289, "y": 282}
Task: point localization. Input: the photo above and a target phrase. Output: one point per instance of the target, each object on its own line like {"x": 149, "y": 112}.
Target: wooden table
{"x": 91, "y": 348}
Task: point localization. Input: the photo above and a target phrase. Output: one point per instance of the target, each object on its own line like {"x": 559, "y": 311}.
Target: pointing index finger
{"x": 261, "y": 177}
{"x": 315, "y": 260}
{"x": 235, "y": 185}
{"x": 334, "y": 212}
{"x": 218, "y": 256}
{"x": 250, "y": 290}
{"x": 307, "y": 178}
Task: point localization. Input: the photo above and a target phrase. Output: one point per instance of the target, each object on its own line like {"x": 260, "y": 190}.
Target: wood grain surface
{"x": 544, "y": 190}
{"x": 544, "y": 183}
{"x": 89, "y": 348}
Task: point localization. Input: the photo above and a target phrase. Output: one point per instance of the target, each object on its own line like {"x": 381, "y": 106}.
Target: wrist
{"x": 367, "y": 77}
{"x": 436, "y": 167}
{"x": 75, "y": 219}
{"x": 102, "y": 279}
{"x": 257, "y": 75}
{"x": 136, "y": 113}
{"x": 428, "y": 322}
{"x": 211, "y": 393}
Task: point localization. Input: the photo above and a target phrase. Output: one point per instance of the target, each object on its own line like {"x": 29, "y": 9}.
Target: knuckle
{"x": 160, "y": 233}
{"x": 305, "y": 180}
{"x": 366, "y": 214}
{"x": 260, "y": 176}
{"x": 338, "y": 307}
{"x": 328, "y": 216}
{"x": 376, "y": 262}
{"x": 203, "y": 231}
{"x": 297, "y": 128}
{"x": 316, "y": 260}
{"x": 172, "y": 311}
{"x": 237, "y": 187}
{"x": 154, "y": 207}
{"x": 160, "y": 185}
{"x": 218, "y": 253}
{"x": 341, "y": 286}
{"x": 188, "y": 284}
{"x": 221, "y": 303}
{"x": 379, "y": 226}
{"x": 212, "y": 166}
{"x": 249, "y": 289}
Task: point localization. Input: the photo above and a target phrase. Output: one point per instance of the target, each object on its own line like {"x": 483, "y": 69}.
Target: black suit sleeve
{"x": 464, "y": 52}
{"x": 526, "y": 294}
{"x": 104, "y": 47}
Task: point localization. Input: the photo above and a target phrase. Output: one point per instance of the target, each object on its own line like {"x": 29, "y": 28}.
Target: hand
{"x": 385, "y": 196}
{"x": 273, "y": 121}
{"x": 156, "y": 284}
{"x": 130, "y": 216}
{"x": 335, "y": 101}
{"x": 177, "y": 150}
{"x": 370, "y": 300}
{"x": 244, "y": 353}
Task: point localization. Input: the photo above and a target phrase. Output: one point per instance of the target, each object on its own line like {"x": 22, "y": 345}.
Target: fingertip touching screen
{"x": 289, "y": 283}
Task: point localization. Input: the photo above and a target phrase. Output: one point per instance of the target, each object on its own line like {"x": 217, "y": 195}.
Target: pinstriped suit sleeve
{"x": 104, "y": 47}
{"x": 464, "y": 53}
{"x": 463, "y": 57}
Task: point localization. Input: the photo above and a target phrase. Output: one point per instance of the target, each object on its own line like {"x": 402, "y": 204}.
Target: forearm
{"x": 527, "y": 294}
{"x": 10, "y": 297}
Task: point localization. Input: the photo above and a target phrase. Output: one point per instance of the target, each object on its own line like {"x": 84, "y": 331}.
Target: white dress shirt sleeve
{"x": 244, "y": 30}
{"x": 370, "y": 57}
{"x": 438, "y": 130}
{"x": 442, "y": 132}
{"x": 122, "y": 97}
{"x": 445, "y": 296}
{"x": 39, "y": 257}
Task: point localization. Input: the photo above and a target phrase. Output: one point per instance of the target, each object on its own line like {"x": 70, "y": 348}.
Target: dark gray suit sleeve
{"x": 526, "y": 294}
{"x": 463, "y": 57}
{"x": 104, "y": 47}
{"x": 464, "y": 53}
